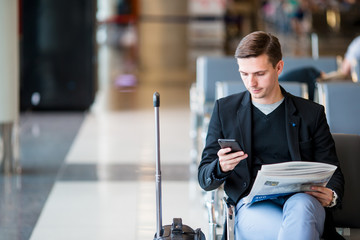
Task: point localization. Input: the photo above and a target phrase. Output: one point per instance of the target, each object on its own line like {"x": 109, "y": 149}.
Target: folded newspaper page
{"x": 279, "y": 179}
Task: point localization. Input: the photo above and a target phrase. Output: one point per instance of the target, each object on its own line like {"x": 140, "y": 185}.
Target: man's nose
{"x": 252, "y": 80}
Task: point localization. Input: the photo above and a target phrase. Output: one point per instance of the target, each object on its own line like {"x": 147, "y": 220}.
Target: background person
{"x": 352, "y": 54}
{"x": 308, "y": 75}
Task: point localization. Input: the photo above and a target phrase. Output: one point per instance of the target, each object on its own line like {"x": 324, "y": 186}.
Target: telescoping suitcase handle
{"x": 176, "y": 231}
{"x": 156, "y": 99}
{"x": 159, "y": 228}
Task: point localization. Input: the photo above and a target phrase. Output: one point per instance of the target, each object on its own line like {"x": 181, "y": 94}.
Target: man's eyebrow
{"x": 261, "y": 71}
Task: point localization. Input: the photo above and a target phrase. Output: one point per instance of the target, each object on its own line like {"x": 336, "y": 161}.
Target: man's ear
{"x": 279, "y": 67}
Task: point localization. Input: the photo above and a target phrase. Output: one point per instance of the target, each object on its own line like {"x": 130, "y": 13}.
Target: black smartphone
{"x": 231, "y": 143}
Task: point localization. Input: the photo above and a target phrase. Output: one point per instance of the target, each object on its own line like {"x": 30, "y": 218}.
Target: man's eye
{"x": 261, "y": 74}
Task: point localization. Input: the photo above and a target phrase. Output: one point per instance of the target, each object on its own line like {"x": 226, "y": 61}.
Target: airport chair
{"x": 342, "y": 105}
{"x": 216, "y": 212}
{"x": 348, "y": 152}
{"x": 345, "y": 218}
{"x": 209, "y": 69}
{"x": 325, "y": 64}
{"x": 226, "y": 88}
{"x": 296, "y": 89}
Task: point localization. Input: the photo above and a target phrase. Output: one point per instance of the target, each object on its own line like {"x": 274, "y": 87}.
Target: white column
{"x": 9, "y": 85}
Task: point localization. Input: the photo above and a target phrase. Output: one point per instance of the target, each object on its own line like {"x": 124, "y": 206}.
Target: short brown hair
{"x": 258, "y": 43}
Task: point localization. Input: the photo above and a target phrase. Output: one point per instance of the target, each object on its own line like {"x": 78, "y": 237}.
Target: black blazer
{"x": 308, "y": 135}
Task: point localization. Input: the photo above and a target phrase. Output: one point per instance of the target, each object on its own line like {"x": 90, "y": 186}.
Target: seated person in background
{"x": 308, "y": 75}
{"x": 346, "y": 70}
{"x": 352, "y": 54}
{"x": 271, "y": 126}
{"x": 311, "y": 75}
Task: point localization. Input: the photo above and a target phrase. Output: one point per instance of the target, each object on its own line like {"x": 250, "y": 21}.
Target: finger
{"x": 320, "y": 189}
{"x": 322, "y": 198}
{"x": 232, "y": 161}
{"x": 227, "y": 164}
{"x": 223, "y": 151}
{"x": 324, "y": 190}
{"x": 318, "y": 195}
{"x": 236, "y": 154}
{"x": 223, "y": 155}
{"x": 225, "y": 167}
{"x": 322, "y": 201}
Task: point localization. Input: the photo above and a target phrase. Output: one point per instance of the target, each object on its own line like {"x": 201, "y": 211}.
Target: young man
{"x": 271, "y": 126}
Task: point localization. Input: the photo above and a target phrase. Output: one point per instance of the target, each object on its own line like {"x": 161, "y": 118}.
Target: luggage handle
{"x": 156, "y": 99}
{"x": 159, "y": 227}
{"x": 176, "y": 227}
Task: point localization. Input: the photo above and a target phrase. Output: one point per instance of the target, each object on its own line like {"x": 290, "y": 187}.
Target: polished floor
{"x": 106, "y": 187}
{"x": 91, "y": 175}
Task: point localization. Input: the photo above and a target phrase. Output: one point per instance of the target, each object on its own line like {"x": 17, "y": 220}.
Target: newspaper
{"x": 274, "y": 180}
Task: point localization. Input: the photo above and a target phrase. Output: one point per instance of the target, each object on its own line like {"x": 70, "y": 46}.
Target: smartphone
{"x": 231, "y": 143}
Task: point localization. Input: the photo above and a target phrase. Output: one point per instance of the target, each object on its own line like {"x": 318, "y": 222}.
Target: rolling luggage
{"x": 175, "y": 231}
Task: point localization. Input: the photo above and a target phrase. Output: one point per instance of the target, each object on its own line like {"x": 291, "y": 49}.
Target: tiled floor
{"x": 106, "y": 187}
{"x": 45, "y": 141}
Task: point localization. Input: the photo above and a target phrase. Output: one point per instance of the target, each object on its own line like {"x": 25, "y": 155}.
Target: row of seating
{"x": 218, "y": 77}
{"x": 342, "y": 106}
{"x": 210, "y": 70}
{"x": 226, "y": 88}
{"x": 340, "y": 99}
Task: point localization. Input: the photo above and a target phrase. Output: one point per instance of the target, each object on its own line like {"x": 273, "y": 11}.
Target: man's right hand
{"x": 228, "y": 161}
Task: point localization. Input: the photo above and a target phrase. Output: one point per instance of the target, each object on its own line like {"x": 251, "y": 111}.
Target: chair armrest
{"x": 229, "y": 210}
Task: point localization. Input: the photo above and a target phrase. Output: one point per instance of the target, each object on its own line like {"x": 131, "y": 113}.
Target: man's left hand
{"x": 323, "y": 194}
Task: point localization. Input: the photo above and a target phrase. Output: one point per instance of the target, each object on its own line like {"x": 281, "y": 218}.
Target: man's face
{"x": 261, "y": 78}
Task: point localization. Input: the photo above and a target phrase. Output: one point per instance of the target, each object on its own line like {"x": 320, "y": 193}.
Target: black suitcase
{"x": 175, "y": 231}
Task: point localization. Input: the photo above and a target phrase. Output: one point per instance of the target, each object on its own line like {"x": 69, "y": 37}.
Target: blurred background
{"x": 76, "y": 114}
{"x": 66, "y": 46}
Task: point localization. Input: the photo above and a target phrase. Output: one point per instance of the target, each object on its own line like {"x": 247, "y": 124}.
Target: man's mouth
{"x": 256, "y": 90}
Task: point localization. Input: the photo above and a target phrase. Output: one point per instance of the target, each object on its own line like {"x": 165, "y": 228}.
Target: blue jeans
{"x": 299, "y": 216}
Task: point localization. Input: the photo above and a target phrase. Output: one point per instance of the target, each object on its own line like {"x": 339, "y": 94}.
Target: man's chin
{"x": 257, "y": 95}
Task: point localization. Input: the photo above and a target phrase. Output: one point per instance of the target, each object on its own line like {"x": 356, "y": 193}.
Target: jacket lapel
{"x": 292, "y": 128}
{"x": 244, "y": 119}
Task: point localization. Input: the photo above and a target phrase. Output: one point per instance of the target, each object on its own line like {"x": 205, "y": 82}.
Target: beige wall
{"x": 9, "y": 61}
{"x": 163, "y": 43}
